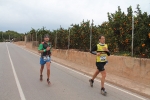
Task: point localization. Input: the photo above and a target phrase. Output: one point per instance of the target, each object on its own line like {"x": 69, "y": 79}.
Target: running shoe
{"x": 91, "y": 82}
{"x": 103, "y": 91}
{"x": 48, "y": 81}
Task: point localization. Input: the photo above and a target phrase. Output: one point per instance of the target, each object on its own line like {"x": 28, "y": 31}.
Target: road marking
{"x": 87, "y": 76}
{"x": 16, "y": 78}
{"x": 100, "y": 81}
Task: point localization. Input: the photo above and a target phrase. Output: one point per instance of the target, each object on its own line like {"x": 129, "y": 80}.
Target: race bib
{"x": 45, "y": 58}
{"x": 102, "y": 58}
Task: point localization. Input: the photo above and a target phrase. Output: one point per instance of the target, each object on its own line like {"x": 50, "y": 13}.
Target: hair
{"x": 101, "y": 36}
{"x": 46, "y": 35}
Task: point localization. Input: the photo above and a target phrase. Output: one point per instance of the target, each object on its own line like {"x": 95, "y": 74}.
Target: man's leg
{"x": 48, "y": 71}
{"x": 41, "y": 71}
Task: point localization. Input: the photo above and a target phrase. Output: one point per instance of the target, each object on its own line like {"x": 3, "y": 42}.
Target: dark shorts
{"x": 100, "y": 66}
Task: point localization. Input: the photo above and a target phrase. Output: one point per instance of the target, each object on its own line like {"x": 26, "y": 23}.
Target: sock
{"x": 102, "y": 88}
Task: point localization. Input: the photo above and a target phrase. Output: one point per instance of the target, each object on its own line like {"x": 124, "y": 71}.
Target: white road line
{"x": 16, "y": 78}
{"x": 100, "y": 81}
{"x": 90, "y": 77}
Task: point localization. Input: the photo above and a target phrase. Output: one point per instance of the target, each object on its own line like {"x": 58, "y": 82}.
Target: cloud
{"x": 21, "y": 15}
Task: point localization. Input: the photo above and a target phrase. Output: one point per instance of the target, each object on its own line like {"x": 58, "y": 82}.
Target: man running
{"x": 45, "y": 50}
{"x": 101, "y": 50}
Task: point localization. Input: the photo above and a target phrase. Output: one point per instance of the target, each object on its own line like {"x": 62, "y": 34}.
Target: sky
{"x": 23, "y": 15}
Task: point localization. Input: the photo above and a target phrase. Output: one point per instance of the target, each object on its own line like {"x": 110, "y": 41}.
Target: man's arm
{"x": 50, "y": 48}
{"x": 94, "y": 49}
{"x": 40, "y": 49}
{"x": 107, "y": 51}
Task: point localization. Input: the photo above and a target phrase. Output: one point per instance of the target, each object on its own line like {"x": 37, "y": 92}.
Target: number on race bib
{"x": 103, "y": 58}
{"x": 45, "y": 58}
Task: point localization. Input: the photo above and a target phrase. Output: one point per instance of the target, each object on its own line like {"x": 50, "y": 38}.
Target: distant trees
{"x": 9, "y": 35}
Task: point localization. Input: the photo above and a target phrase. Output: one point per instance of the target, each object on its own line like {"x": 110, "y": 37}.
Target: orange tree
{"x": 75, "y": 37}
{"x": 141, "y": 34}
{"x": 120, "y": 29}
{"x": 62, "y": 38}
{"x": 84, "y": 36}
{"x": 117, "y": 30}
{"x": 80, "y": 36}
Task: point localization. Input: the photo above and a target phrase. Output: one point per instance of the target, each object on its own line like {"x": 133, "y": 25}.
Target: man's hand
{"x": 50, "y": 54}
{"x": 98, "y": 54}
{"x": 48, "y": 48}
{"x": 105, "y": 49}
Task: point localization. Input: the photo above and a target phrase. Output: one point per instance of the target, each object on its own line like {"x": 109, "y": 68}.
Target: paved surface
{"x": 22, "y": 82}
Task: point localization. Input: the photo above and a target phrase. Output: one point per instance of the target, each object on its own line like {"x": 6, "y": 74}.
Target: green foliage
{"x": 5, "y": 36}
{"x": 117, "y": 30}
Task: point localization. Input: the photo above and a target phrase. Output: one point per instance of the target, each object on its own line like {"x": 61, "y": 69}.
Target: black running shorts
{"x": 100, "y": 66}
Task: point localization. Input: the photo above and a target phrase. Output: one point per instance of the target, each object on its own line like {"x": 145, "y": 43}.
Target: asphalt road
{"x": 19, "y": 80}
